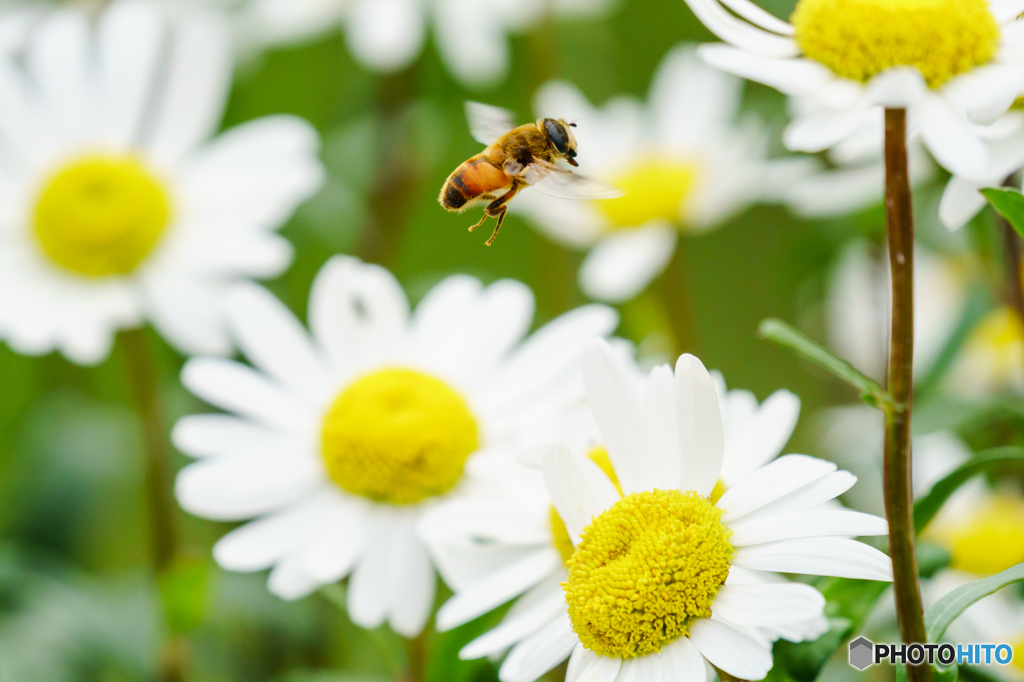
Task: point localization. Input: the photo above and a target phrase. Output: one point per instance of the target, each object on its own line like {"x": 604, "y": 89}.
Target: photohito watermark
{"x": 865, "y": 653}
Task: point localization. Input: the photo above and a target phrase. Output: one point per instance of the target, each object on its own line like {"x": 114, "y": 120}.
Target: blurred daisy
{"x": 1004, "y": 140}
{"x": 857, "y": 312}
{"x": 950, "y": 63}
{"x": 683, "y": 160}
{"x": 337, "y": 442}
{"x": 992, "y": 359}
{"x": 507, "y": 541}
{"x": 386, "y": 35}
{"x": 763, "y": 523}
{"x": 117, "y": 209}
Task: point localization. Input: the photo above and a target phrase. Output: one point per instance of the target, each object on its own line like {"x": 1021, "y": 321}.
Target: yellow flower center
{"x": 655, "y": 189}
{"x": 999, "y": 339}
{"x": 559, "y": 534}
{"x": 858, "y": 39}
{"x": 398, "y": 436}
{"x": 992, "y": 540}
{"x": 1018, "y": 655}
{"x": 101, "y": 215}
{"x": 644, "y": 569}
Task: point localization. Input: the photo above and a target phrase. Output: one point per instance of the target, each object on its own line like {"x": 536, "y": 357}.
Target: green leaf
{"x": 956, "y": 602}
{"x": 1009, "y": 203}
{"x": 785, "y": 335}
{"x": 928, "y": 506}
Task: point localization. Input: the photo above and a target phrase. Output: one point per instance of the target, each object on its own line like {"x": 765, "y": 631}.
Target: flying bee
{"x": 515, "y": 158}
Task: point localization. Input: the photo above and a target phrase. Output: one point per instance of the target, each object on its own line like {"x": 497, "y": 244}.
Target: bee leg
{"x": 501, "y": 219}
{"x": 482, "y": 221}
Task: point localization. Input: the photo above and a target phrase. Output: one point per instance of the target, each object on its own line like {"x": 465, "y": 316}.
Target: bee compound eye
{"x": 557, "y": 134}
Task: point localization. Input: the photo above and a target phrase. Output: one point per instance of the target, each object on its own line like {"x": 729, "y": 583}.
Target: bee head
{"x": 560, "y": 134}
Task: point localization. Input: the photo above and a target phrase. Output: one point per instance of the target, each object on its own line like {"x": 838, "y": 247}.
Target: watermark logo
{"x": 865, "y": 653}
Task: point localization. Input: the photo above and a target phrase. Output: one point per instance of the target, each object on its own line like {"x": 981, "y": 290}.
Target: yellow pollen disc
{"x": 398, "y": 436}
{"x": 559, "y": 534}
{"x": 101, "y": 216}
{"x": 999, "y": 338}
{"x": 858, "y": 39}
{"x": 992, "y": 540}
{"x": 654, "y": 189}
{"x": 1018, "y": 654}
{"x": 644, "y": 569}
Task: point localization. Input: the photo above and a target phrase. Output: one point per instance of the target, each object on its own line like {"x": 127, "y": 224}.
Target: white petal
{"x": 236, "y": 488}
{"x": 261, "y": 543}
{"x": 622, "y": 265}
{"x": 730, "y": 650}
{"x": 643, "y": 669}
{"x": 340, "y": 540}
{"x": 540, "y": 653}
{"x": 235, "y": 387}
{"x": 598, "y": 669}
{"x": 701, "y": 437}
{"x": 274, "y": 340}
{"x": 196, "y": 91}
{"x": 530, "y": 614}
{"x": 497, "y": 588}
{"x": 950, "y": 139}
{"x": 790, "y": 76}
{"x": 772, "y": 482}
{"x": 897, "y": 88}
{"x": 839, "y": 557}
{"x": 413, "y": 584}
{"x": 368, "y": 586}
{"x": 59, "y": 56}
{"x": 739, "y": 33}
{"x": 758, "y": 528}
{"x": 472, "y": 40}
{"x": 759, "y": 17}
{"x": 768, "y": 605}
{"x": 579, "y": 489}
{"x": 660, "y": 414}
{"x": 188, "y": 311}
{"x": 289, "y": 582}
{"x": 617, "y": 410}
{"x": 578, "y": 662}
{"x": 683, "y": 662}
{"x": 824, "y": 129}
{"x": 961, "y": 201}
{"x": 358, "y": 312}
{"x": 205, "y": 435}
{"x": 761, "y": 437}
{"x": 385, "y": 34}
{"x": 810, "y": 496}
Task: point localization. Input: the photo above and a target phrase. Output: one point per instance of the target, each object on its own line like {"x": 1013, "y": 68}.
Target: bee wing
{"x": 488, "y": 123}
{"x": 557, "y": 182}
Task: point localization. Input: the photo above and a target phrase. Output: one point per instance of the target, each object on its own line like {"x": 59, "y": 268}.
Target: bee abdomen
{"x": 455, "y": 195}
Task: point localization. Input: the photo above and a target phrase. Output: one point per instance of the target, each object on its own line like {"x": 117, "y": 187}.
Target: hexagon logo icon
{"x": 862, "y": 653}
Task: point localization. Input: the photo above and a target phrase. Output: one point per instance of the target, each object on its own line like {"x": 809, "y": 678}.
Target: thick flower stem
{"x": 898, "y": 497}
{"x": 143, "y": 384}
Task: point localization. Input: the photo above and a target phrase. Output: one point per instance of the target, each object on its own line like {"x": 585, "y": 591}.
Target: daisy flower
{"x": 631, "y": 478}
{"x": 683, "y": 161}
{"x": 118, "y": 208}
{"x": 857, "y": 308}
{"x": 336, "y": 442}
{"x": 387, "y": 35}
{"x": 1004, "y": 140}
{"x": 950, "y": 63}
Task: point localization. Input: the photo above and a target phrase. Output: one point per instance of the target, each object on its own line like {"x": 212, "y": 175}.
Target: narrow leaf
{"x": 1009, "y": 203}
{"x": 785, "y": 335}
{"x": 928, "y": 506}
{"x": 949, "y": 608}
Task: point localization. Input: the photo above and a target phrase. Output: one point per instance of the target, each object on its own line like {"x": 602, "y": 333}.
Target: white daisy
{"x": 950, "y": 63}
{"x": 117, "y": 207}
{"x": 1004, "y": 140}
{"x": 337, "y": 442}
{"x": 857, "y": 308}
{"x": 386, "y": 35}
{"x": 506, "y": 541}
{"x": 674, "y": 432}
{"x": 683, "y": 160}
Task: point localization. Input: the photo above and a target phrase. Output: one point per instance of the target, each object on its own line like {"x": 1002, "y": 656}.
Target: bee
{"x": 515, "y": 158}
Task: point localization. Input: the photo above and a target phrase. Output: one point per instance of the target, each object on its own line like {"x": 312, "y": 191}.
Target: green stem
{"x": 416, "y": 654}
{"x": 1012, "y": 247}
{"x": 674, "y": 291}
{"x": 897, "y": 464}
{"x": 143, "y": 384}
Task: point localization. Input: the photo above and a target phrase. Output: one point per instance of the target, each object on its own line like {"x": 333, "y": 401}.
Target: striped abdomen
{"x": 475, "y": 179}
